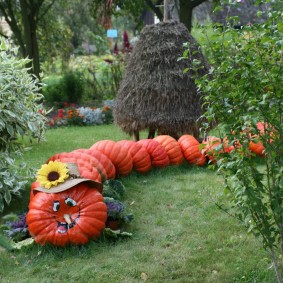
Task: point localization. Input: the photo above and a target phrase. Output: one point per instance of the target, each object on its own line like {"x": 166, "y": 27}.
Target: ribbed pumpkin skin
{"x": 86, "y": 168}
{"x": 157, "y": 152}
{"x": 172, "y": 148}
{"x": 191, "y": 150}
{"x": 140, "y": 156}
{"x": 88, "y": 216}
{"x": 95, "y": 162}
{"x": 119, "y": 156}
{"x": 88, "y": 158}
{"x": 103, "y": 159}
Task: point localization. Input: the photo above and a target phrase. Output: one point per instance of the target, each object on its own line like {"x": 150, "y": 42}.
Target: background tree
{"x": 136, "y": 8}
{"x": 23, "y": 17}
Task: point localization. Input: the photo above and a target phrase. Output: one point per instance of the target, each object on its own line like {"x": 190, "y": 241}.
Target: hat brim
{"x": 69, "y": 184}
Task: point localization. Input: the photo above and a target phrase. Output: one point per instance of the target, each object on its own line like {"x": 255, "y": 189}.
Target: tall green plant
{"x": 19, "y": 116}
{"x": 245, "y": 86}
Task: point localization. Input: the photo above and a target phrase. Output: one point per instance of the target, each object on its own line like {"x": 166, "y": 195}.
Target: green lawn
{"x": 179, "y": 235}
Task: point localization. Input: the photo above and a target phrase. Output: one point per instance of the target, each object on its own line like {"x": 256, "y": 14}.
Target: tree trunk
{"x": 186, "y": 11}
{"x": 8, "y": 11}
{"x": 29, "y": 23}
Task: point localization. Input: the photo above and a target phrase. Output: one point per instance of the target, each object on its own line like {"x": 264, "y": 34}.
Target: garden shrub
{"x": 53, "y": 91}
{"x": 244, "y": 87}
{"x": 61, "y": 89}
{"x": 73, "y": 85}
{"x": 20, "y": 117}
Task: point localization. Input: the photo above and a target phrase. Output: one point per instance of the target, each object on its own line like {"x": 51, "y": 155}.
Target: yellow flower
{"x": 52, "y": 173}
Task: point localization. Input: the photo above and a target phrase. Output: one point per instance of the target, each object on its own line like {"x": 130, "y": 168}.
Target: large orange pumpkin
{"x": 103, "y": 159}
{"x": 119, "y": 156}
{"x": 73, "y": 216}
{"x": 191, "y": 150}
{"x": 140, "y": 156}
{"x": 172, "y": 148}
{"x": 157, "y": 152}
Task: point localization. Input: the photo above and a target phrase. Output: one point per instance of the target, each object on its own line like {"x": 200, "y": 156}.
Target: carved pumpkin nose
{"x": 67, "y": 218}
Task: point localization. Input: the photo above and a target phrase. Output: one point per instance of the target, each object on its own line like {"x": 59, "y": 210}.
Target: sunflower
{"x": 52, "y": 173}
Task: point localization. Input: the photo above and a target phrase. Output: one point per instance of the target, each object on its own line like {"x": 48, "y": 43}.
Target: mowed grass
{"x": 179, "y": 235}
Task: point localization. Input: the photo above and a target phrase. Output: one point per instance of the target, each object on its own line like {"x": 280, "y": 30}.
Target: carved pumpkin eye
{"x": 56, "y": 205}
{"x": 70, "y": 201}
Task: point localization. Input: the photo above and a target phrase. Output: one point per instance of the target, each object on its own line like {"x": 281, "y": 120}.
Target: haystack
{"x": 155, "y": 94}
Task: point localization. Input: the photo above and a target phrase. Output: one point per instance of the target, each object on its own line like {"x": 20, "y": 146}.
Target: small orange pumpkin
{"x": 212, "y": 143}
{"x": 257, "y": 148}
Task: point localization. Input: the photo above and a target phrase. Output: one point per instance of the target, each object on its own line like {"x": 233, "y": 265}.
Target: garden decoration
{"x": 257, "y": 148}
{"x": 157, "y": 152}
{"x": 89, "y": 166}
{"x": 119, "y": 156}
{"x": 214, "y": 144}
{"x": 103, "y": 159}
{"x": 66, "y": 208}
{"x": 172, "y": 148}
{"x": 116, "y": 213}
{"x": 191, "y": 150}
{"x": 155, "y": 93}
{"x": 140, "y": 156}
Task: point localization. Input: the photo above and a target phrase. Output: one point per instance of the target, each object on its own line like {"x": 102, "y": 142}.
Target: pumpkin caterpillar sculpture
{"x": 77, "y": 213}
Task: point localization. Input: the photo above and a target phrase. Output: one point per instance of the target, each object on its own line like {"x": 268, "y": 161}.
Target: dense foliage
{"x": 20, "y": 116}
{"x": 245, "y": 86}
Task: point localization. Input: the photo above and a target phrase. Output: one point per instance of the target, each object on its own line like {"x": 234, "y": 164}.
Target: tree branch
{"x": 10, "y": 18}
{"x": 195, "y": 3}
{"x": 4, "y": 35}
{"x": 45, "y": 11}
{"x": 155, "y": 9}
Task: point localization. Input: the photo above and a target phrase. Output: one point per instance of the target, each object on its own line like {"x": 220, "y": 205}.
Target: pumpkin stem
{"x": 68, "y": 219}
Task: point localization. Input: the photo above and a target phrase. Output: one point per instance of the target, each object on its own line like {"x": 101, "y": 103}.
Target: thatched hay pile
{"x": 155, "y": 93}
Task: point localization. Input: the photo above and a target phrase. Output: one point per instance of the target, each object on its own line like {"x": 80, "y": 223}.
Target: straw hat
{"x": 70, "y": 179}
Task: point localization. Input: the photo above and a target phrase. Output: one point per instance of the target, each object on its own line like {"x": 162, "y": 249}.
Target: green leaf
{"x": 7, "y": 196}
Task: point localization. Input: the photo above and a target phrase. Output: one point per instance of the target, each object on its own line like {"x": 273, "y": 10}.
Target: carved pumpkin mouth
{"x": 63, "y": 227}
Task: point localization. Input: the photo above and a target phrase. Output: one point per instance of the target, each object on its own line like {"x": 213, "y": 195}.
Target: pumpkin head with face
{"x": 72, "y": 212}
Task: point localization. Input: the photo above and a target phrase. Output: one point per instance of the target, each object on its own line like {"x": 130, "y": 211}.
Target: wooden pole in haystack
{"x": 155, "y": 94}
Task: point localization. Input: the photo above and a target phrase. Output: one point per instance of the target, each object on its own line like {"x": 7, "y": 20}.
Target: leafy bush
{"x": 20, "y": 116}
{"x": 113, "y": 189}
{"x": 73, "y": 84}
{"x": 53, "y": 91}
{"x": 102, "y": 75}
{"x": 68, "y": 88}
{"x": 245, "y": 86}
{"x": 15, "y": 227}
